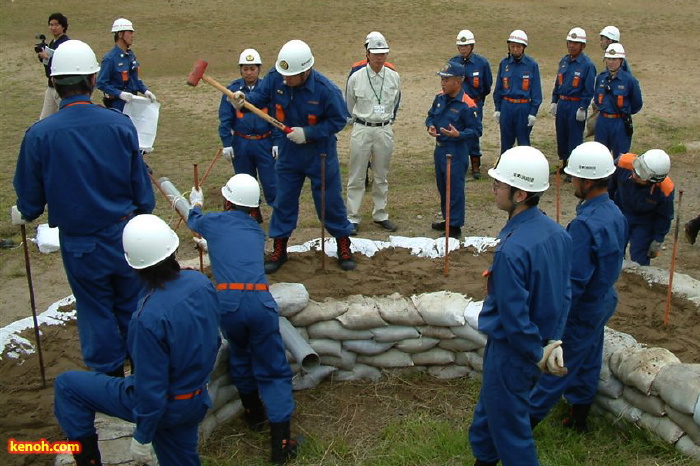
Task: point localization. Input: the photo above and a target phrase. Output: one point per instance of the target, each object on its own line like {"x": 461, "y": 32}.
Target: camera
{"x": 38, "y": 48}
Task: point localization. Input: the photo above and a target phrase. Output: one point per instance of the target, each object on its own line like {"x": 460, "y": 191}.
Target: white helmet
{"x": 250, "y": 57}
{"x": 377, "y": 45}
{"x": 591, "y": 161}
{"x": 653, "y": 165}
{"x": 518, "y": 36}
{"x": 295, "y": 57}
{"x": 122, "y": 24}
{"x": 373, "y": 35}
{"x": 148, "y": 240}
{"x": 611, "y": 32}
{"x": 465, "y": 37}
{"x": 242, "y": 190}
{"x": 615, "y": 51}
{"x": 576, "y": 35}
{"x": 74, "y": 57}
{"x": 522, "y": 167}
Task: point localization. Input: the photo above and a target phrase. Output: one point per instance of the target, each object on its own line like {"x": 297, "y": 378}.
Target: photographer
{"x": 58, "y": 25}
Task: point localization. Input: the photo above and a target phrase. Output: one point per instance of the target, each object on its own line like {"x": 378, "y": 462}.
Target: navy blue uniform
{"x": 616, "y": 96}
{"x": 529, "y": 294}
{"x": 119, "y": 72}
{"x": 461, "y": 112}
{"x": 648, "y": 208}
{"x": 599, "y": 236}
{"x": 318, "y": 107}
{"x": 518, "y": 94}
{"x": 251, "y": 139}
{"x": 573, "y": 90}
{"x": 84, "y": 164}
{"x": 173, "y": 340}
{"x": 477, "y": 84}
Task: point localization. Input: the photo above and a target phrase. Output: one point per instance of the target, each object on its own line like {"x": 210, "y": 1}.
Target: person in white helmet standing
{"x": 119, "y": 72}
{"x": 173, "y": 339}
{"x": 599, "y": 236}
{"x": 643, "y": 191}
{"x": 246, "y": 138}
{"x": 477, "y": 85}
{"x": 518, "y": 93}
{"x": 611, "y": 35}
{"x": 523, "y": 315}
{"x": 618, "y": 96}
{"x": 83, "y": 163}
{"x": 313, "y": 107}
{"x": 373, "y": 95}
{"x": 249, "y": 315}
{"x": 571, "y": 95}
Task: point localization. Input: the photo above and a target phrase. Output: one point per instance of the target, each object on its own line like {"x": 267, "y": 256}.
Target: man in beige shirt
{"x": 373, "y": 95}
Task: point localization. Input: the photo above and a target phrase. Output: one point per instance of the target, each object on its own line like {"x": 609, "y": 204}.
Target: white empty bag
{"x": 144, "y": 114}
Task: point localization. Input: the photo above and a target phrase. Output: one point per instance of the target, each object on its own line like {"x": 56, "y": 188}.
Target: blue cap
{"x": 450, "y": 69}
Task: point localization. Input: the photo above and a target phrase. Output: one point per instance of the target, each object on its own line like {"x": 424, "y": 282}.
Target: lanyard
{"x": 379, "y": 97}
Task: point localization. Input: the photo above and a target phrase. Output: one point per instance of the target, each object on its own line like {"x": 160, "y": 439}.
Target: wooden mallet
{"x": 197, "y": 74}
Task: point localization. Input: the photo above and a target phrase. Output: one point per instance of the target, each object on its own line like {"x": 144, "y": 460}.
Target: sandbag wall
{"x": 358, "y": 337}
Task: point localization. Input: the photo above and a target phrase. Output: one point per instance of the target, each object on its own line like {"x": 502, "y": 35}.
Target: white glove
{"x": 141, "y": 453}
{"x": 16, "y": 216}
{"x": 497, "y": 116}
{"x": 126, "y": 96}
{"x": 297, "y": 135}
{"x": 275, "y": 151}
{"x": 197, "y": 197}
{"x": 531, "y": 119}
{"x": 654, "y": 248}
{"x": 151, "y": 96}
{"x": 553, "y": 109}
{"x": 555, "y": 362}
{"x": 237, "y": 100}
{"x": 201, "y": 243}
{"x": 227, "y": 153}
{"x": 547, "y": 352}
{"x": 581, "y": 115}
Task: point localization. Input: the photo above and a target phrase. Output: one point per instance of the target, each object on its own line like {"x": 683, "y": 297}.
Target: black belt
{"x": 367, "y": 123}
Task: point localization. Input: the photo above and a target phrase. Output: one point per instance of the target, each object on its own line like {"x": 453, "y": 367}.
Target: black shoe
{"x": 476, "y": 175}
{"x": 386, "y": 224}
{"x": 90, "y": 451}
{"x": 355, "y": 229}
{"x": 691, "y": 229}
{"x": 456, "y": 232}
{"x": 439, "y": 226}
{"x": 346, "y": 261}
{"x": 577, "y": 419}
{"x": 278, "y": 256}
{"x": 283, "y": 446}
{"x": 254, "y": 413}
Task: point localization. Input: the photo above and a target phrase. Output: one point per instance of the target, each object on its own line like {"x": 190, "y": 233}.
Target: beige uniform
{"x": 372, "y": 100}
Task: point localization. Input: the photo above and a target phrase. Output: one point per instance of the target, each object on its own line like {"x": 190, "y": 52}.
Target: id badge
{"x": 379, "y": 110}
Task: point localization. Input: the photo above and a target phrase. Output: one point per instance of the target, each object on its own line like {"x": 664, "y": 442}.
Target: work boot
{"x": 456, "y": 232}
{"x": 439, "y": 226}
{"x": 485, "y": 463}
{"x": 577, "y": 418}
{"x": 282, "y": 446}
{"x": 256, "y": 214}
{"x": 254, "y": 412}
{"x": 345, "y": 259}
{"x": 476, "y": 167}
{"x": 89, "y": 453}
{"x": 278, "y": 256}
{"x": 691, "y": 230}
{"x": 355, "y": 228}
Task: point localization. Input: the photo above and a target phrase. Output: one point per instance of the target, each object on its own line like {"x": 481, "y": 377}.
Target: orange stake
{"x": 558, "y": 183}
{"x": 447, "y": 214}
{"x": 669, "y": 293}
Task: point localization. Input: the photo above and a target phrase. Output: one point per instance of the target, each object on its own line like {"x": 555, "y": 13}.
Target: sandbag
{"x": 346, "y": 361}
{"x": 685, "y": 422}
{"x": 443, "y": 333}
{"x": 359, "y": 372}
{"x": 433, "y": 357}
{"x": 459, "y": 345}
{"x": 335, "y": 330}
{"x": 442, "y": 308}
{"x": 224, "y": 395}
{"x": 391, "y": 358}
{"x": 449, "y": 372}
{"x": 649, "y": 404}
{"x": 696, "y": 412}
{"x": 394, "y": 333}
{"x": 662, "y": 426}
{"x": 318, "y": 312}
{"x": 207, "y": 426}
{"x": 311, "y": 379}
{"x": 639, "y": 367}
{"x": 679, "y": 386}
{"x": 229, "y": 411}
{"x": 475, "y": 361}
{"x": 367, "y": 347}
{"x": 397, "y": 310}
{"x": 471, "y": 313}
{"x": 467, "y": 332}
{"x": 362, "y": 314}
{"x": 221, "y": 363}
{"x": 686, "y": 446}
{"x": 619, "y": 407}
{"x": 614, "y": 341}
{"x": 290, "y": 297}
{"x": 611, "y": 387}
{"x": 416, "y": 345}
{"x": 326, "y": 347}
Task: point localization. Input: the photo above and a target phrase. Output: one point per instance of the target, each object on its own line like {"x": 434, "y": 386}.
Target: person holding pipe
{"x": 83, "y": 163}
{"x": 249, "y": 315}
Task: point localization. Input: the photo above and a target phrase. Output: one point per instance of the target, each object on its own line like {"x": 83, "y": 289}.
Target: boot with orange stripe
{"x": 283, "y": 447}
{"x": 278, "y": 256}
{"x": 346, "y": 261}
{"x": 90, "y": 453}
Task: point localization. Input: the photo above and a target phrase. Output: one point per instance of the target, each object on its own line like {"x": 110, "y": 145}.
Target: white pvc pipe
{"x": 300, "y": 349}
{"x": 177, "y": 200}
